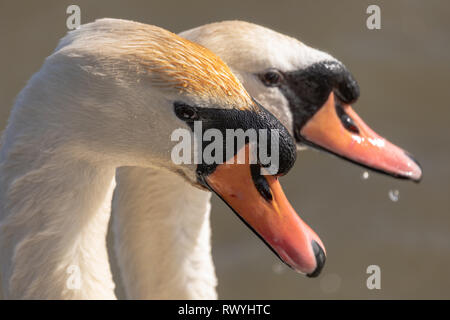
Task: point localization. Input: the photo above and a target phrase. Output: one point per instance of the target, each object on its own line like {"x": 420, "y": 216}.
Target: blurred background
{"x": 363, "y": 219}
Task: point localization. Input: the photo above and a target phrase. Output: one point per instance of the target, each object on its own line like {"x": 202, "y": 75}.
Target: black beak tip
{"x": 416, "y": 162}
{"x": 320, "y": 259}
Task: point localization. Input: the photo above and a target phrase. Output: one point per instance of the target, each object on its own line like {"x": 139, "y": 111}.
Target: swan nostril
{"x": 346, "y": 121}
{"x": 320, "y": 259}
{"x": 260, "y": 182}
{"x": 349, "y": 124}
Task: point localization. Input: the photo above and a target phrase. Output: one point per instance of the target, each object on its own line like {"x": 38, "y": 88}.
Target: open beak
{"x": 260, "y": 202}
{"x": 336, "y": 128}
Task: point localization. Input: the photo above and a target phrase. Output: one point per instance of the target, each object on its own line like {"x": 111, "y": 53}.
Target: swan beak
{"x": 261, "y": 204}
{"x": 336, "y": 128}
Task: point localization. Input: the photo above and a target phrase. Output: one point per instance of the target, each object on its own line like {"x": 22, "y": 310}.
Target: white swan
{"x": 296, "y": 83}
{"x": 110, "y": 96}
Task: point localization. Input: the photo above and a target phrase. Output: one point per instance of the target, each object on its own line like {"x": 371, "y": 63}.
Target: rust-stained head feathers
{"x": 167, "y": 60}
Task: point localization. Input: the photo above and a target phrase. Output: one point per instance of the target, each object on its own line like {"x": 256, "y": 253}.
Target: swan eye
{"x": 271, "y": 78}
{"x": 185, "y": 111}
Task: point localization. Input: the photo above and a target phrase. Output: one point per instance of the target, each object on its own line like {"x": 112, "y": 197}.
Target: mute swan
{"x": 309, "y": 91}
{"x": 110, "y": 95}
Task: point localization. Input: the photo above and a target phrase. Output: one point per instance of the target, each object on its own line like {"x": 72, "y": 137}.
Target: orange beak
{"x": 260, "y": 202}
{"x": 338, "y": 129}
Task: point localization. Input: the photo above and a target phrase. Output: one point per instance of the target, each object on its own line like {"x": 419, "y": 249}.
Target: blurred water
{"x": 403, "y": 71}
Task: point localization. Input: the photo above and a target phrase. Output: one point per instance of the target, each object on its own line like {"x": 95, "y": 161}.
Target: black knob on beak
{"x": 320, "y": 259}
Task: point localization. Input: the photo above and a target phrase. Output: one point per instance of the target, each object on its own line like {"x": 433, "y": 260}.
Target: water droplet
{"x": 278, "y": 268}
{"x": 365, "y": 175}
{"x": 394, "y": 195}
{"x": 330, "y": 283}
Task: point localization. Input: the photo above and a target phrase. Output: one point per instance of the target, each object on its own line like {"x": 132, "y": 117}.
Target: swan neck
{"x": 162, "y": 232}
{"x": 54, "y": 211}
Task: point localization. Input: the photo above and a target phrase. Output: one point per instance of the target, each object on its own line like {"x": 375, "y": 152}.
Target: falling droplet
{"x": 278, "y": 268}
{"x": 365, "y": 175}
{"x": 330, "y": 283}
{"x": 394, "y": 195}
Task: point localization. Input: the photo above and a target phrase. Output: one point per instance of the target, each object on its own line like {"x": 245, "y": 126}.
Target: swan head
{"x": 140, "y": 84}
{"x": 308, "y": 90}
